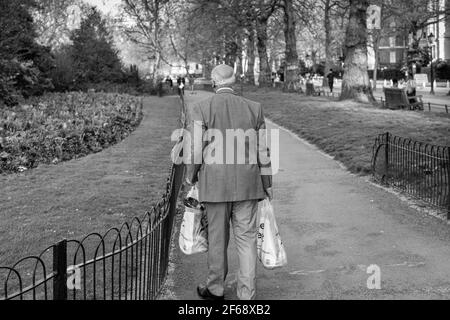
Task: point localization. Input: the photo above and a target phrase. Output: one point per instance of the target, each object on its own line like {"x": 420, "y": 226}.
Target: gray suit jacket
{"x": 220, "y": 177}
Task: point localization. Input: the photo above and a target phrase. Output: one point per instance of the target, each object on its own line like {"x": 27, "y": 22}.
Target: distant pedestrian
{"x": 395, "y": 83}
{"x": 192, "y": 83}
{"x": 160, "y": 87}
{"x": 169, "y": 82}
{"x": 411, "y": 88}
{"x": 181, "y": 84}
{"x": 330, "y": 77}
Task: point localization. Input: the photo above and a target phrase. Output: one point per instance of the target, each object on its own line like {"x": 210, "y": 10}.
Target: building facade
{"x": 393, "y": 44}
{"x": 441, "y": 30}
{"x": 392, "y": 47}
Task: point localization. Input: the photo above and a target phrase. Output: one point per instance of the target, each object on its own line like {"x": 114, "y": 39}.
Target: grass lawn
{"x": 91, "y": 194}
{"x": 347, "y": 130}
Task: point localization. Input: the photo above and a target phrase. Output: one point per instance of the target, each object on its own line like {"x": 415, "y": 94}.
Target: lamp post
{"x": 431, "y": 40}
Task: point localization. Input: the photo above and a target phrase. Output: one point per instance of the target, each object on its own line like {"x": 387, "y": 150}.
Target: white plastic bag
{"x": 271, "y": 251}
{"x": 194, "y": 228}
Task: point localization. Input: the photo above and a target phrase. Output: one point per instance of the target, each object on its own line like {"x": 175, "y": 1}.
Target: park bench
{"x": 314, "y": 91}
{"x": 396, "y": 98}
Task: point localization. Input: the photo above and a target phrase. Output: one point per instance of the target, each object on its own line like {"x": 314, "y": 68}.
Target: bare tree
{"x": 54, "y": 20}
{"x": 146, "y": 27}
{"x": 239, "y": 24}
{"x": 185, "y": 33}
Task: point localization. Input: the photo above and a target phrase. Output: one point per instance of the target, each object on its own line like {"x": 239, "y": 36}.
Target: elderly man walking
{"x": 229, "y": 189}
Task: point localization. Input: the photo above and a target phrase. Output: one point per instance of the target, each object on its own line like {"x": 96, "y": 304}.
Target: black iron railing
{"x": 126, "y": 263}
{"x": 418, "y": 169}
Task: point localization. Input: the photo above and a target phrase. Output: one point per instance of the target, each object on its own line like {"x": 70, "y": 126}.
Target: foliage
{"x": 419, "y": 56}
{"x": 60, "y": 127}
{"x": 24, "y": 64}
{"x": 63, "y": 75}
{"x": 415, "y": 21}
{"x": 144, "y": 87}
{"x": 93, "y": 54}
{"x": 92, "y": 62}
{"x": 443, "y": 70}
{"x": 54, "y": 20}
{"x": 177, "y": 32}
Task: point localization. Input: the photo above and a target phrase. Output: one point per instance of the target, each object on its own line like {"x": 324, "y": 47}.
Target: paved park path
{"x": 335, "y": 225}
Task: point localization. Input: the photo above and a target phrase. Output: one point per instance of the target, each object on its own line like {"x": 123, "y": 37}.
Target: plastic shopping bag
{"x": 194, "y": 228}
{"x": 271, "y": 251}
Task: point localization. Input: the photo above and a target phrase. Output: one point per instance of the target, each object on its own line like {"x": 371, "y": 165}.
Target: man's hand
{"x": 269, "y": 194}
{"x": 189, "y": 182}
{"x": 187, "y": 185}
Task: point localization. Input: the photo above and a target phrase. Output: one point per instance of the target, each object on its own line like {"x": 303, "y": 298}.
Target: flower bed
{"x": 61, "y": 127}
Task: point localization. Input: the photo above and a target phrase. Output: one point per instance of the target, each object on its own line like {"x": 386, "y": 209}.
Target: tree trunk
{"x": 186, "y": 67}
{"x": 291, "y": 43}
{"x": 264, "y": 67}
{"x": 250, "y": 74}
{"x": 356, "y": 83}
{"x": 239, "y": 66}
{"x": 327, "y": 28}
{"x": 156, "y": 68}
{"x": 314, "y": 60}
{"x": 376, "y": 53}
{"x": 238, "y": 62}
{"x": 207, "y": 67}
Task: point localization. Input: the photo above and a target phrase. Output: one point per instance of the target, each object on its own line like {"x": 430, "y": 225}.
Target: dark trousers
{"x": 243, "y": 217}
{"x": 331, "y": 85}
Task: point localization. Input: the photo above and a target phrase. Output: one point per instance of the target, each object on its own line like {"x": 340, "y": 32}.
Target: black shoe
{"x": 205, "y": 294}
